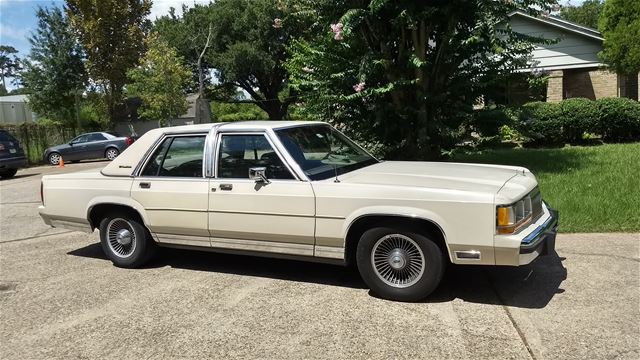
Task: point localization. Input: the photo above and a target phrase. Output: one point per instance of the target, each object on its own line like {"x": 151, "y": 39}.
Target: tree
{"x": 586, "y": 14}
{"x": 404, "y": 74}
{"x": 191, "y": 36}
{"x": 54, "y": 73}
{"x": 160, "y": 81}
{"x": 620, "y": 25}
{"x": 9, "y": 63}
{"x": 248, "y": 47}
{"x": 112, "y": 33}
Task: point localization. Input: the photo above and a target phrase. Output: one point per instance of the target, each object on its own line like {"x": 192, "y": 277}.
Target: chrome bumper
{"x": 543, "y": 238}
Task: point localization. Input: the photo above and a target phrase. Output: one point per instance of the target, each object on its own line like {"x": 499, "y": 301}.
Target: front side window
{"x": 81, "y": 139}
{"x": 238, "y": 153}
{"x": 177, "y": 157}
{"x": 322, "y": 152}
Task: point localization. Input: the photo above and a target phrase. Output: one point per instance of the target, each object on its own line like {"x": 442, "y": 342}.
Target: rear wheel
{"x": 398, "y": 264}
{"x": 125, "y": 240}
{"x": 8, "y": 173}
{"x": 111, "y": 153}
{"x": 54, "y": 158}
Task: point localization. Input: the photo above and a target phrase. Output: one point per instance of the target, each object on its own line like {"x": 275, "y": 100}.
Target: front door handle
{"x": 226, "y": 187}
{"x": 145, "y": 185}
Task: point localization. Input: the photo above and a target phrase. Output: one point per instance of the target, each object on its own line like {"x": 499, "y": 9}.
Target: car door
{"x": 95, "y": 146}
{"x": 173, "y": 191}
{"x": 276, "y": 217}
{"x": 76, "y": 148}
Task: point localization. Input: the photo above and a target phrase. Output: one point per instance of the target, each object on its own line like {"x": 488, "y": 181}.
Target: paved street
{"x": 61, "y": 298}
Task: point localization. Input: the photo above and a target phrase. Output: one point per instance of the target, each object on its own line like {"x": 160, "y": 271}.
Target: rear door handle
{"x": 226, "y": 187}
{"x": 145, "y": 185}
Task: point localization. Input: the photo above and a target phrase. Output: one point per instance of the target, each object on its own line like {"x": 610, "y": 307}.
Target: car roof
{"x": 239, "y": 125}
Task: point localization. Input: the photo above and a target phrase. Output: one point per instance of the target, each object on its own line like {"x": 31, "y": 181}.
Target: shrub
{"x": 578, "y": 115}
{"x": 487, "y": 122}
{"x": 540, "y": 123}
{"x": 618, "y": 119}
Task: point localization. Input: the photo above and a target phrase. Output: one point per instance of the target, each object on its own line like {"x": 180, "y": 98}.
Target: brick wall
{"x": 605, "y": 83}
{"x": 554, "y": 86}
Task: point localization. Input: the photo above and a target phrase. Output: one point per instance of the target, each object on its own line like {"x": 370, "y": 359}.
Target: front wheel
{"x": 398, "y": 264}
{"x": 126, "y": 241}
{"x": 111, "y": 153}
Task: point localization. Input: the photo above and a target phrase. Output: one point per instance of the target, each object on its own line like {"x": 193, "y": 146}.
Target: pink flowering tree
{"x": 403, "y": 74}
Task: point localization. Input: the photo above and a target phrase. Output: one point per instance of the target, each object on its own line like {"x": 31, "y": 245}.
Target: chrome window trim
{"x": 278, "y": 151}
{"x": 152, "y": 149}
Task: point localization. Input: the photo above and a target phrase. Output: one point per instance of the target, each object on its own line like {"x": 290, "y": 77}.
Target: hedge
{"x": 618, "y": 119}
{"x": 565, "y": 122}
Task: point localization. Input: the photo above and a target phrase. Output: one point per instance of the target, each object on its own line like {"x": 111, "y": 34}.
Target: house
{"x": 14, "y": 109}
{"x": 198, "y": 112}
{"x": 571, "y": 63}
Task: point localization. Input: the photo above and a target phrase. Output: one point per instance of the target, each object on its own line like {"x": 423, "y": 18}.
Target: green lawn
{"x": 596, "y": 188}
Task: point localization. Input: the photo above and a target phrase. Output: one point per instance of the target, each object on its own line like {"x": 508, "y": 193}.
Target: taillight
{"x": 42, "y": 192}
{"x": 128, "y": 140}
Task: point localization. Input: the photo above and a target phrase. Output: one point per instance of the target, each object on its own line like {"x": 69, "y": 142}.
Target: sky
{"x": 18, "y": 20}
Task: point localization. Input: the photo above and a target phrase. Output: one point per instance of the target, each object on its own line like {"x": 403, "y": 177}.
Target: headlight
{"x": 510, "y": 218}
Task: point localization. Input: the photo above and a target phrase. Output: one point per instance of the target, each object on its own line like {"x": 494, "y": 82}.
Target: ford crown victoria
{"x": 304, "y": 190}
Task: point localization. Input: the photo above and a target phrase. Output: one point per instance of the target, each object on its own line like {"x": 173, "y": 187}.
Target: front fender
{"x": 402, "y": 211}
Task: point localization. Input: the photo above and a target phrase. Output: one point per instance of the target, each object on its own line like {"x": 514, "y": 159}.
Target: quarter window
{"x": 177, "y": 157}
{"x": 238, "y": 153}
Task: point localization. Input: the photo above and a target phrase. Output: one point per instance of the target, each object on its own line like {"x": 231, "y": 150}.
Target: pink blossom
{"x": 337, "y": 31}
{"x": 358, "y": 87}
{"x": 277, "y": 23}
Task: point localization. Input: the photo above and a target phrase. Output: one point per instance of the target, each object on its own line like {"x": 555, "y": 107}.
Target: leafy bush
{"x": 487, "y": 122}
{"x": 578, "y": 115}
{"x": 540, "y": 122}
{"x": 618, "y": 119}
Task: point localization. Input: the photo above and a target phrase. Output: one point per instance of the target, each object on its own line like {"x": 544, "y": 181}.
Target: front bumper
{"x": 13, "y": 162}
{"x": 537, "y": 240}
{"x": 543, "y": 238}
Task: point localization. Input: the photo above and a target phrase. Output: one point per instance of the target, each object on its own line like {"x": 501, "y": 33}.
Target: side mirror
{"x": 259, "y": 175}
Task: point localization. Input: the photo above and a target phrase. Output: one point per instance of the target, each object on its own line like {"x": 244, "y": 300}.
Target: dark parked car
{"x": 11, "y": 155}
{"x": 93, "y": 145}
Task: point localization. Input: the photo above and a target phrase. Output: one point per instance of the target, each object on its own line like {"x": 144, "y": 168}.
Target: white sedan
{"x": 303, "y": 190}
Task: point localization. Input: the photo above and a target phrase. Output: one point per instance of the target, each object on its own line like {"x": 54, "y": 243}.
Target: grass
{"x": 596, "y": 189}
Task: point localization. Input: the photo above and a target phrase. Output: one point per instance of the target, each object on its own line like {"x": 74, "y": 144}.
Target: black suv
{"x": 11, "y": 155}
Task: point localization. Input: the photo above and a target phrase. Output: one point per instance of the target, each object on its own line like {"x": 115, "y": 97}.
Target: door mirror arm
{"x": 259, "y": 175}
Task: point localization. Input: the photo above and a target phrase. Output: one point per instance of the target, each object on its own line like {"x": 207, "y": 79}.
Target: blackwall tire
{"x": 125, "y": 241}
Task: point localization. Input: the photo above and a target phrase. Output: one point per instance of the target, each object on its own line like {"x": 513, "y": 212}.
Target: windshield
{"x": 322, "y": 152}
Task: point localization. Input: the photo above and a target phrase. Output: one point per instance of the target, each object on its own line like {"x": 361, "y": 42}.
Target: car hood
{"x": 438, "y": 175}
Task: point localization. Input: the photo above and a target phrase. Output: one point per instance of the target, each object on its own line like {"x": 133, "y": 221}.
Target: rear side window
{"x": 96, "y": 137}
{"x": 179, "y": 156}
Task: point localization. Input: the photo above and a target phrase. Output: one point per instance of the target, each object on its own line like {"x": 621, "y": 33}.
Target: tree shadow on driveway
{"x": 531, "y": 286}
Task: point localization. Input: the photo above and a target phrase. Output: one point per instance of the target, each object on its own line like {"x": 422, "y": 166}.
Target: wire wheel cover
{"x": 121, "y": 238}
{"x": 398, "y": 260}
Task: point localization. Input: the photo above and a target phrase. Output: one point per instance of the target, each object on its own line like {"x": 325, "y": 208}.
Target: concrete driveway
{"x": 61, "y": 298}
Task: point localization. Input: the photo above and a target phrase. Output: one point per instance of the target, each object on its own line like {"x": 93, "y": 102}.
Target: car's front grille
{"x": 536, "y": 204}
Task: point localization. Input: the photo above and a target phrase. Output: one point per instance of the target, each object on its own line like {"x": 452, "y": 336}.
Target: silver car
{"x": 93, "y": 145}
